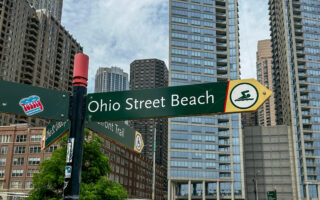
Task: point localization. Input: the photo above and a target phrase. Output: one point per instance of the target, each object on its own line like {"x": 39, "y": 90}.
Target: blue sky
{"x": 116, "y": 32}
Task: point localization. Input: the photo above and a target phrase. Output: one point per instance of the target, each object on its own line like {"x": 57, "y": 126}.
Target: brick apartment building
{"x": 21, "y": 155}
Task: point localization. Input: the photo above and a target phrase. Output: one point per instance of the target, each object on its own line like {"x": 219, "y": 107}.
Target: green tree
{"x": 48, "y": 183}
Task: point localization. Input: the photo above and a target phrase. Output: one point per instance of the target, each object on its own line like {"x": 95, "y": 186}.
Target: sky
{"x": 116, "y": 32}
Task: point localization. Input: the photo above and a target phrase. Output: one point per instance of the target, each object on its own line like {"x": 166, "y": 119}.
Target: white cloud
{"x": 254, "y": 26}
{"x": 114, "y": 33}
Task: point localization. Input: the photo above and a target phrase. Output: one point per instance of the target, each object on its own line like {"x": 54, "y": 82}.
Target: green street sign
{"x": 201, "y": 99}
{"x": 272, "y": 195}
{"x": 118, "y": 132}
{"x": 33, "y": 101}
{"x": 53, "y": 132}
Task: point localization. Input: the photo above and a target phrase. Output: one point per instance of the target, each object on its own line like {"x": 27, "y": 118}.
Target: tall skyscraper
{"x": 50, "y": 7}
{"x": 36, "y": 50}
{"x": 266, "y": 113}
{"x": 295, "y": 41}
{"x": 205, "y": 152}
{"x": 111, "y": 79}
{"x": 146, "y": 74}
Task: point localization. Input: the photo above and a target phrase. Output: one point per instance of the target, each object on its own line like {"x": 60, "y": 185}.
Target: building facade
{"x": 266, "y": 113}
{"x": 111, "y": 80}
{"x": 146, "y": 74}
{"x": 249, "y": 119}
{"x": 20, "y": 158}
{"x": 133, "y": 171}
{"x": 34, "y": 49}
{"x": 295, "y": 38}
{"x": 268, "y": 162}
{"x": 50, "y": 7}
{"x": 205, "y": 159}
{"x": 21, "y": 155}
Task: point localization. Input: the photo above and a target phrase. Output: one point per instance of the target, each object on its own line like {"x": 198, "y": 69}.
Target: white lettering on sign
{"x": 192, "y": 101}
{"x": 113, "y": 128}
{"x": 94, "y": 106}
{"x": 141, "y": 104}
{"x": 138, "y": 104}
{"x": 55, "y": 128}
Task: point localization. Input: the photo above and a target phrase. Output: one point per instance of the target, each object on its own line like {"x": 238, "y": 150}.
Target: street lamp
{"x": 255, "y": 182}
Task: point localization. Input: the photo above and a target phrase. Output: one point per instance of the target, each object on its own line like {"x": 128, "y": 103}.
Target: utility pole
{"x": 154, "y": 159}
{"x": 71, "y": 189}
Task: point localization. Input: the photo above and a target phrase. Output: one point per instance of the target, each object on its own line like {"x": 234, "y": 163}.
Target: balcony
{"x": 308, "y": 146}
{"x": 310, "y": 164}
{"x": 222, "y": 61}
{"x": 224, "y": 159}
{"x": 302, "y": 75}
{"x": 307, "y": 138}
{"x": 224, "y": 142}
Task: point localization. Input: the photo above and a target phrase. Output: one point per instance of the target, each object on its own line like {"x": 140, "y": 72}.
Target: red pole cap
{"x": 80, "y": 70}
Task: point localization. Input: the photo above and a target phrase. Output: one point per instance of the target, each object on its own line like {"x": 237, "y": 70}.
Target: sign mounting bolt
{"x": 4, "y": 104}
{"x": 264, "y": 93}
{"x": 62, "y": 115}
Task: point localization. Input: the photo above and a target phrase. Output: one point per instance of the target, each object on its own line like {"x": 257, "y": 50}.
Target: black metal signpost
{"x": 76, "y": 135}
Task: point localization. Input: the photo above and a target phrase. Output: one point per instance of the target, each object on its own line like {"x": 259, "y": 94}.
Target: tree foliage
{"x": 48, "y": 183}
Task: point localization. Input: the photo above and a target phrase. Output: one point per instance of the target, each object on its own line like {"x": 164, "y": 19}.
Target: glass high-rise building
{"x": 205, "y": 158}
{"x": 295, "y": 32}
{"x": 111, "y": 79}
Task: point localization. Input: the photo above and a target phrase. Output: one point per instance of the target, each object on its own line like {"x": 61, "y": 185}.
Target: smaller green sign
{"x": 53, "y": 132}
{"x": 33, "y": 101}
{"x": 118, "y": 132}
{"x": 272, "y": 195}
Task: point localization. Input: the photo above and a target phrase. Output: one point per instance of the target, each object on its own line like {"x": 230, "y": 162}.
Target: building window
{"x": 1, "y": 184}
{"x": 19, "y": 149}
{"x": 51, "y": 148}
{"x": 5, "y": 138}
{"x": 30, "y": 172}
{"x": 2, "y": 173}
{"x": 28, "y": 185}
{"x": 17, "y": 173}
{"x": 2, "y": 161}
{"x": 33, "y": 161}
{"x": 15, "y": 185}
{"x": 18, "y": 161}
{"x": 34, "y": 149}
{"x": 35, "y": 138}
{"x": 21, "y": 138}
{"x": 4, "y": 149}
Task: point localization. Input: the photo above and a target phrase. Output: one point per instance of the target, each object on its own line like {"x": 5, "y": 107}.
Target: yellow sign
{"x": 138, "y": 142}
{"x": 245, "y": 96}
